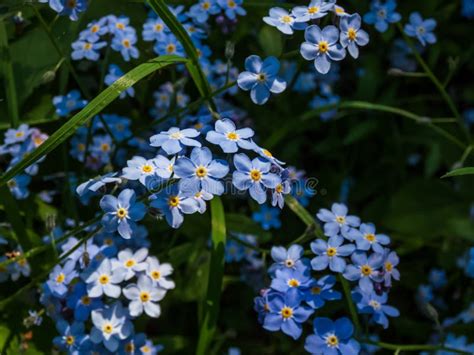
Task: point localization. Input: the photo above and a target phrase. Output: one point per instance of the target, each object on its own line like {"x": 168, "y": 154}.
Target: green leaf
{"x": 199, "y": 78}
{"x": 93, "y": 108}
{"x": 216, "y": 274}
{"x": 270, "y": 40}
{"x": 459, "y": 172}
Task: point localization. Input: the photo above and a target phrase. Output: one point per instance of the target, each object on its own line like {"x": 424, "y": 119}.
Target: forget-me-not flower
{"x": 143, "y": 296}
{"x": 352, "y": 36}
{"x": 104, "y": 280}
{"x": 174, "y": 140}
{"x": 330, "y": 253}
{"x": 421, "y": 29}
{"x": 365, "y": 269}
{"x": 382, "y": 14}
{"x": 228, "y": 137}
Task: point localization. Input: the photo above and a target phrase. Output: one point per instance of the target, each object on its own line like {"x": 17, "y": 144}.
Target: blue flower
{"x": 332, "y": 338}
{"x": 67, "y": 8}
{"x": 375, "y": 305}
{"x": 320, "y": 291}
{"x": 351, "y": 35}
{"x": 365, "y": 269}
{"x": 132, "y": 262}
{"x": 322, "y": 46}
{"x": 425, "y": 293}
{"x": 113, "y": 75}
{"x": 200, "y": 12}
{"x": 124, "y": 42}
{"x": 229, "y": 138}
{"x": 437, "y": 278}
{"x": 111, "y": 325}
{"x": 261, "y": 78}
{"x": 174, "y": 140}
{"x": 121, "y": 213}
{"x": 17, "y": 135}
{"x": 382, "y": 14}
{"x": 139, "y": 168}
{"x": 18, "y": 186}
{"x": 72, "y": 338}
{"x": 81, "y": 303}
{"x": 391, "y": 260}
{"x": 467, "y": 9}
{"x": 172, "y": 203}
{"x": 84, "y": 49}
{"x": 458, "y": 343}
{"x": 421, "y": 29}
{"x": 286, "y": 313}
{"x": 267, "y": 217}
{"x": 278, "y": 194}
{"x": 366, "y": 238}
{"x": 94, "y": 30}
{"x": 232, "y": 8}
{"x": 154, "y": 29}
{"x": 120, "y": 25}
{"x": 159, "y": 273}
{"x": 68, "y": 103}
{"x": 330, "y": 253}
{"x": 286, "y": 259}
{"x": 321, "y": 101}
{"x": 201, "y": 173}
{"x": 337, "y": 221}
{"x": 285, "y": 279}
{"x": 60, "y": 278}
{"x": 89, "y": 188}
{"x": 281, "y": 19}
{"x": 254, "y": 176}
{"x": 104, "y": 280}
{"x": 169, "y": 45}
{"x": 315, "y": 10}
{"x": 143, "y": 296}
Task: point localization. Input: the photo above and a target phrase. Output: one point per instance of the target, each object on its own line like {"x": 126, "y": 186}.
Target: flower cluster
{"x": 322, "y": 45}
{"x": 117, "y": 30}
{"x": 354, "y": 251}
{"x": 18, "y": 143}
{"x": 182, "y": 175}
{"x": 99, "y": 289}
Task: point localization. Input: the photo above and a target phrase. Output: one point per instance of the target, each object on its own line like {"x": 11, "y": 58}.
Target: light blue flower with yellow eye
{"x": 315, "y": 10}
{"x": 154, "y": 29}
{"x": 169, "y": 45}
{"x": 113, "y": 75}
{"x": 322, "y": 46}
{"x": 232, "y": 8}
{"x": 119, "y": 25}
{"x": 421, "y": 29}
{"x": 366, "y": 238}
{"x": 351, "y": 35}
{"x": 143, "y": 297}
{"x": 260, "y": 78}
{"x": 365, "y": 269}
{"x": 121, "y": 213}
{"x": 94, "y": 30}
{"x": 141, "y": 169}
{"x": 281, "y": 19}
{"x": 200, "y": 12}
{"x": 330, "y": 253}
{"x": 229, "y": 138}
{"x": 254, "y": 176}
{"x": 375, "y": 305}
{"x": 201, "y": 173}
{"x": 174, "y": 140}
{"x": 72, "y": 338}
{"x": 172, "y": 203}
{"x": 17, "y": 135}
{"x": 124, "y": 42}
{"x": 111, "y": 326}
{"x": 104, "y": 280}
{"x": 320, "y": 291}
{"x": 70, "y": 102}
{"x": 332, "y": 338}
{"x": 18, "y": 186}
{"x": 88, "y": 50}
{"x": 60, "y": 278}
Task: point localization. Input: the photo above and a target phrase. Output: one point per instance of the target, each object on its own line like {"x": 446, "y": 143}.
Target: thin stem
{"x": 436, "y": 82}
{"x": 350, "y": 304}
{"x": 10, "y": 86}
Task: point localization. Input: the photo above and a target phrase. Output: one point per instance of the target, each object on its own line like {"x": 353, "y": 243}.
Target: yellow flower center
{"x": 120, "y": 25}
{"x": 352, "y": 34}
{"x": 267, "y": 153}
{"x": 85, "y": 300}
{"x": 374, "y": 304}
{"x": 286, "y": 312}
{"x": 122, "y": 213}
{"x": 19, "y": 134}
{"x": 323, "y": 46}
{"x": 315, "y": 290}
{"x": 170, "y": 48}
{"x": 11, "y": 184}
{"x": 38, "y": 141}
{"x": 289, "y": 263}
{"x": 176, "y": 135}
{"x": 261, "y": 77}
{"x": 129, "y": 348}
{"x": 231, "y": 3}
{"x": 173, "y": 201}
{"x": 87, "y": 46}
{"x": 130, "y": 263}
{"x": 107, "y": 328}
{"x": 366, "y": 270}
{"x": 147, "y": 169}
{"x": 331, "y": 251}
{"x": 60, "y": 278}
{"x": 370, "y": 237}
{"x": 279, "y": 188}
{"x": 206, "y": 5}
{"x": 126, "y": 43}
{"x": 104, "y": 279}
{"x": 95, "y": 29}
{"x": 388, "y": 266}
{"x": 313, "y": 9}
{"x": 232, "y": 136}
{"x": 286, "y": 19}
{"x": 255, "y": 175}
{"x": 70, "y": 340}
{"x": 145, "y": 349}
{"x": 81, "y": 147}
{"x": 201, "y": 172}
{"x": 340, "y": 10}
{"x": 155, "y": 274}
{"x": 332, "y": 341}
{"x": 144, "y": 296}
{"x": 158, "y": 27}
{"x": 340, "y": 219}
{"x": 293, "y": 283}
{"x": 105, "y": 147}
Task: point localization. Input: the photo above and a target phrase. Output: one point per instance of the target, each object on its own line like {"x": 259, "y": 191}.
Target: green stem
{"x": 436, "y": 82}
{"x": 248, "y": 245}
{"x": 350, "y": 304}
{"x": 7, "y": 69}
{"x": 414, "y": 347}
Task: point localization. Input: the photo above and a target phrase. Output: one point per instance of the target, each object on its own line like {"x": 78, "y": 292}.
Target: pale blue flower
{"x": 143, "y": 297}
{"x": 421, "y": 29}
{"x": 104, "y": 280}
{"x": 351, "y": 34}
{"x": 229, "y": 138}
{"x": 174, "y": 140}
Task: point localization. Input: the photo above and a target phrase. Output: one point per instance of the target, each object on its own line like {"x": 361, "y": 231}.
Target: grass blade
{"x": 9, "y": 78}
{"x": 459, "y": 172}
{"x": 216, "y": 274}
{"x": 93, "y": 108}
